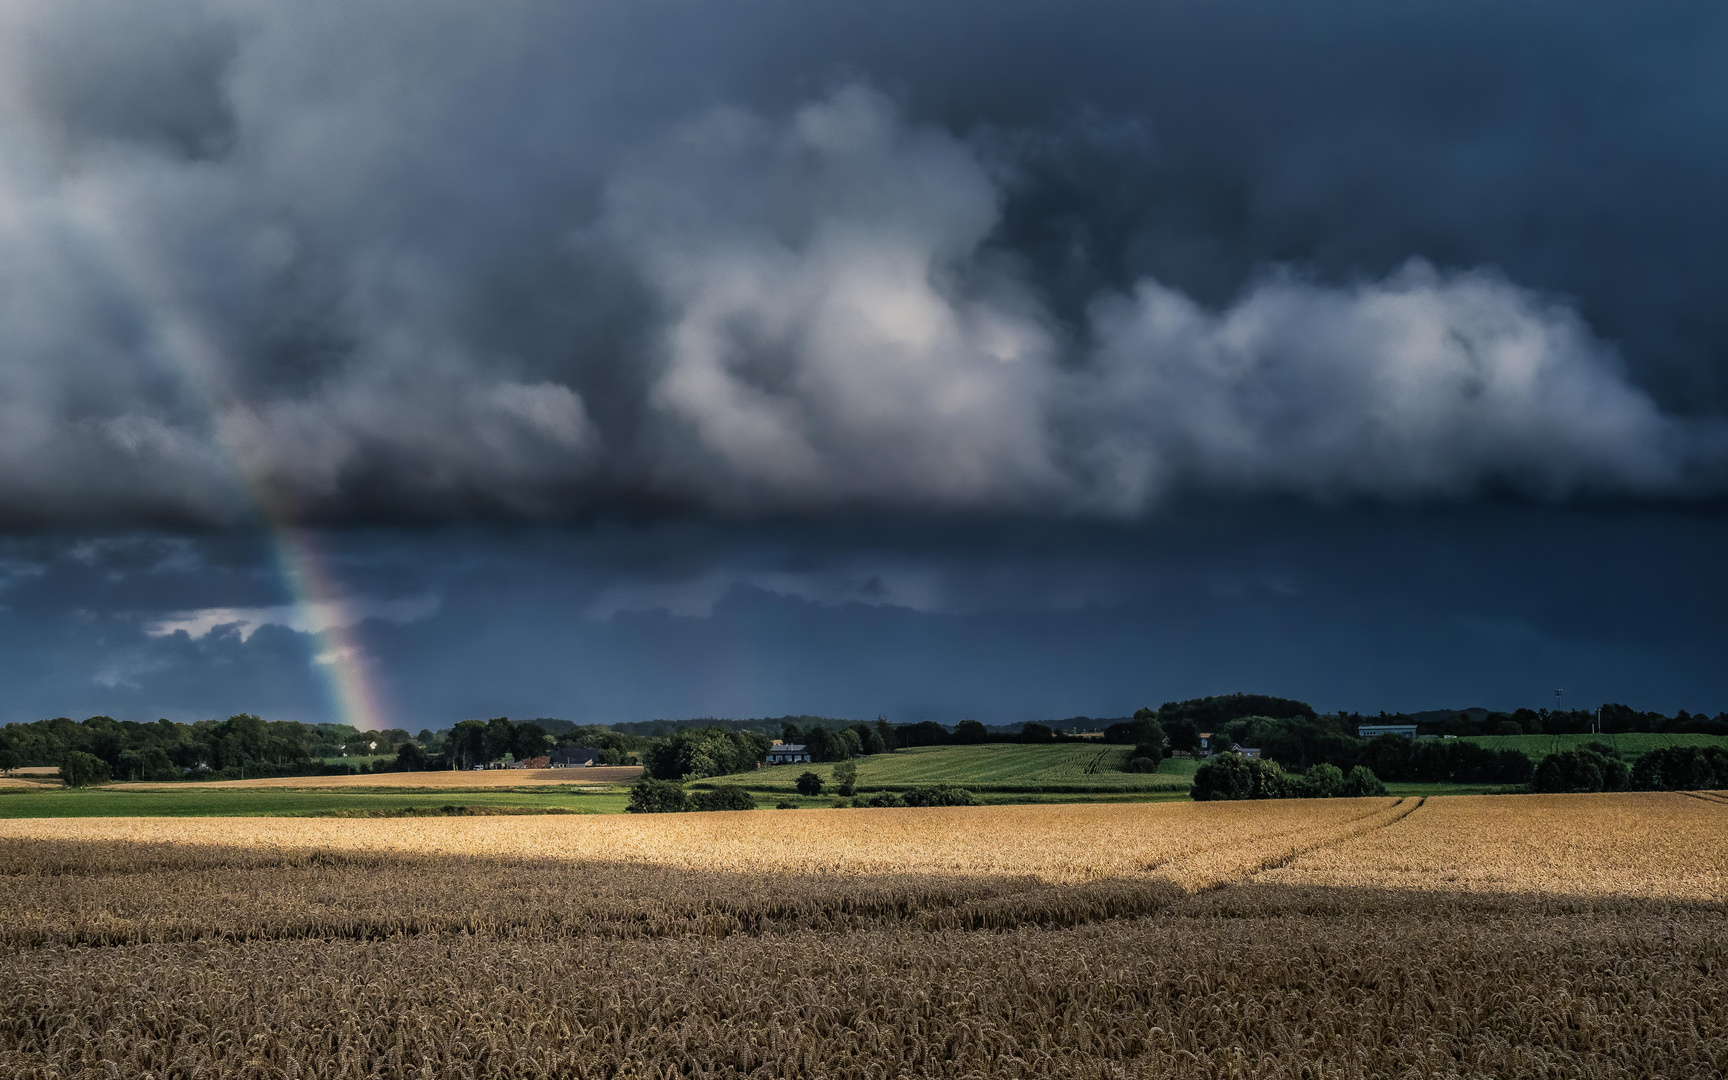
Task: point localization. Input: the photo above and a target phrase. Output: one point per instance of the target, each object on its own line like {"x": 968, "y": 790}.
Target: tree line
{"x": 241, "y": 745}
{"x": 245, "y": 745}
{"x": 1287, "y": 731}
{"x": 1599, "y": 767}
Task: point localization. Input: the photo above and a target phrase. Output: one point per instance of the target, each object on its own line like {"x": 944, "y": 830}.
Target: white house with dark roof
{"x": 788, "y": 753}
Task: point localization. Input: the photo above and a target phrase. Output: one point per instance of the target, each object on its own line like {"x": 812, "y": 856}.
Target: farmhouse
{"x": 532, "y": 763}
{"x": 788, "y": 753}
{"x": 1369, "y": 731}
{"x": 1216, "y": 743}
{"x": 573, "y": 757}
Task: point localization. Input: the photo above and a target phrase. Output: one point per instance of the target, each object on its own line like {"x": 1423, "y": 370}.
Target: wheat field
{"x": 1553, "y": 936}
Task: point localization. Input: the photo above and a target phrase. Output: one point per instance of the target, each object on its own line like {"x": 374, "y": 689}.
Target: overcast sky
{"x": 618, "y": 360}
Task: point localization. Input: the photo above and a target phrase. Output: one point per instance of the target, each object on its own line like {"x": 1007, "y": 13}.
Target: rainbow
{"x": 354, "y": 693}
{"x": 178, "y": 344}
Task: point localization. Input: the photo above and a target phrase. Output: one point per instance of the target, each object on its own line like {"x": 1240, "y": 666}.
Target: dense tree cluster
{"x": 940, "y": 795}
{"x": 246, "y": 745}
{"x": 1437, "y": 761}
{"x": 1144, "y": 758}
{"x": 1610, "y": 719}
{"x": 1682, "y": 768}
{"x": 1212, "y": 713}
{"x": 837, "y": 740}
{"x": 486, "y": 742}
{"x": 211, "y": 749}
{"x": 1143, "y": 730}
{"x": 1232, "y": 776}
{"x": 1296, "y": 742}
{"x": 1599, "y": 767}
{"x": 651, "y": 796}
{"x": 1299, "y": 743}
{"x": 1221, "y": 713}
{"x": 83, "y": 770}
{"x": 1591, "y": 767}
{"x": 697, "y": 752}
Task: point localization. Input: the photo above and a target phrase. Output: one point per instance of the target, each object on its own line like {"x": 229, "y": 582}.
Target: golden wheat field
{"x": 1539, "y": 936}
{"x": 27, "y": 783}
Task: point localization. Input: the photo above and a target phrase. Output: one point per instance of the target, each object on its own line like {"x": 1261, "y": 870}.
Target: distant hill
{"x": 767, "y": 725}
{"x": 1440, "y": 716}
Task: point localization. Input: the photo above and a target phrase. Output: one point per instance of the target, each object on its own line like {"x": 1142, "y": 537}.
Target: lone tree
{"x": 809, "y": 784}
{"x": 846, "y": 775}
{"x": 971, "y": 731}
{"x": 410, "y": 757}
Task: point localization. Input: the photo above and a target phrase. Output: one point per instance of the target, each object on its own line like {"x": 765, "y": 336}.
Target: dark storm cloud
{"x": 440, "y": 261}
{"x": 1413, "y": 608}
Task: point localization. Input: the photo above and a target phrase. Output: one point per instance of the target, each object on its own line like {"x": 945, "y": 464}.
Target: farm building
{"x": 573, "y": 757}
{"x": 1369, "y": 731}
{"x": 788, "y": 753}
{"x": 1213, "y": 743}
{"x": 532, "y": 763}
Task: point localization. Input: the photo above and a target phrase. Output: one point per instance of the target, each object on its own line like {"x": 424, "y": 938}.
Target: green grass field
{"x": 1630, "y": 746}
{"x": 995, "y": 768}
{"x": 270, "y": 802}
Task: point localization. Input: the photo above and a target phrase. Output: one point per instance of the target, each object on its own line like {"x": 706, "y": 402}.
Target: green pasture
{"x": 1630, "y": 746}
{"x": 992, "y": 768}
{"x": 275, "y": 802}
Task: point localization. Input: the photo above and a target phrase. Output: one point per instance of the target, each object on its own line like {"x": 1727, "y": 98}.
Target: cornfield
{"x": 1553, "y": 936}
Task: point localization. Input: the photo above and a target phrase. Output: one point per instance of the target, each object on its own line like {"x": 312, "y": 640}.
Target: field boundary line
{"x": 1360, "y": 827}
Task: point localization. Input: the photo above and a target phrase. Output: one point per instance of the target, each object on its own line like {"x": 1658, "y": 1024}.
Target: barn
{"x": 574, "y": 757}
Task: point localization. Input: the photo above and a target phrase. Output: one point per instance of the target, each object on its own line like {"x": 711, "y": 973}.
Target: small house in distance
{"x": 1369, "y": 731}
{"x": 573, "y": 757}
{"x": 1212, "y": 742}
{"x": 788, "y": 753}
